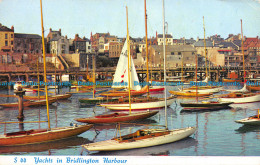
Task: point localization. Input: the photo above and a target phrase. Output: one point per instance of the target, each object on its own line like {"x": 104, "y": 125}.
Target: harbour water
{"x": 217, "y": 134}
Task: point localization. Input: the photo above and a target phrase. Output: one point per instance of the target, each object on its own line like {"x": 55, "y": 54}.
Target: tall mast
{"x": 205, "y": 50}
{"x": 146, "y": 45}
{"x": 87, "y": 70}
{"x": 94, "y": 75}
{"x": 129, "y": 64}
{"x": 38, "y": 77}
{"x": 164, "y": 68}
{"x": 242, "y": 46}
{"x": 196, "y": 77}
{"x": 44, "y": 64}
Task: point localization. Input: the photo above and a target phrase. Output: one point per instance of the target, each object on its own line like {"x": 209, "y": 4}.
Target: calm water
{"x": 217, "y": 134}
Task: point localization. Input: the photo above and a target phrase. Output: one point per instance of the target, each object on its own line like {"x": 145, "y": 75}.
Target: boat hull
{"x": 117, "y": 117}
{"x": 44, "y": 136}
{"x": 238, "y": 100}
{"x": 112, "y": 145}
{"x": 249, "y": 121}
{"x": 206, "y": 89}
{"x": 139, "y": 105}
{"x": 96, "y": 100}
{"x": 230, "y": 80}
{"x": 58, "y": 97}
{"x": 28, "y": 103}
{"x": 204, "y": 106}
{"x": 189, "y": 94}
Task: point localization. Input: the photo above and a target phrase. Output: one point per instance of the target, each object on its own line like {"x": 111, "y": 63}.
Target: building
{"x": 27, "y": 43}
{"x": 168, "y": 39}
{"x": 56, "y": 43}
{"x": 252, "y": 51}
{"x": 59, "y": 45}
{"x": 98, "y": 41}
{"x": 79, "y": 44}
{"x": 6, "y": 38}
{"x": 175, "y": 55}
{"x": 88, "y": 46}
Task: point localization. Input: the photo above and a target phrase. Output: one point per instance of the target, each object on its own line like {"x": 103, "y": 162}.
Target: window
{"x": 12, "y": 42}
{"x": 179, "y": 53}
{"x": 6, "y": 36}
{"x": 6, "y": 43}
{"x": 12, "y": 35}
{"x": 172, "y": 53}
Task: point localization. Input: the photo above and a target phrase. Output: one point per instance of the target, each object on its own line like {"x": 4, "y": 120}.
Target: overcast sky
{"x": 184, "y": 17}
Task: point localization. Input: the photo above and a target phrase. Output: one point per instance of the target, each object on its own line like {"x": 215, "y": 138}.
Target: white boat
{"x": 141, "y": 138}
{"x": 239, "y": 97}
{"x": 244, "y": 89}
{"x": 252, "y": 120}
{"x": 204, "y": 89}
{"x": 144, "y": 137}
{"x": 144, "y": 105}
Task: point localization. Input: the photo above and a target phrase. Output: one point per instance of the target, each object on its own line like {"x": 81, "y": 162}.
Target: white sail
{"x": 121, "y": 75}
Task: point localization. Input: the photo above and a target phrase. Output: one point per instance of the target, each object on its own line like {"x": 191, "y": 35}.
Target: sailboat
{"x": 241, "y": 96}
{"x": 42, "y": 135}
{"x": 203, "y": 105}
{"x": 139, "y": 103}
{"x": 121, "y": 78}
{"x": 144, "y": 137}
{"x": 252, "y": 120}
{"x": 196, "y": 91}
{"x": 121, "y": 117}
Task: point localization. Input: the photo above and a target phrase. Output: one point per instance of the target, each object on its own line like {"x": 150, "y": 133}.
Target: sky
{"x": 184, "y": 17}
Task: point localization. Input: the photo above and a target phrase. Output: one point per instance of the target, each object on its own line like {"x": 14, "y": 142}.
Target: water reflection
{"x": 54, "y": 145}
{"x": 248, "y": 128}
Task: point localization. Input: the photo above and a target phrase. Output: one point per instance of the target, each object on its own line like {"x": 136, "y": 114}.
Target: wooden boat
{"x": 252, "y": 120}
{"x": 231, "y": 80}
{"x": 141, "y": 138}
{"x": 117, "y": 117}
{"x": 86, "y": 92}
{"x": 204, "y": 89}
{"x": 125, "y": 93}
{"x": 144, "y": 137}
{"x": 41, "y": 135}
{"x": 239, "y": 97}
{"x": 58, "y": 97}
{"x": 97, "y": 100}
{"x": 189, "y": 93}
{"x": 253, "y": 88}
{"x": 205, "y": 105}
{"x": 29, "y": 103}
{"x": 138, "y": 104}
{"x": 156, "y": 89}
{"x": 243, "y": 90}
